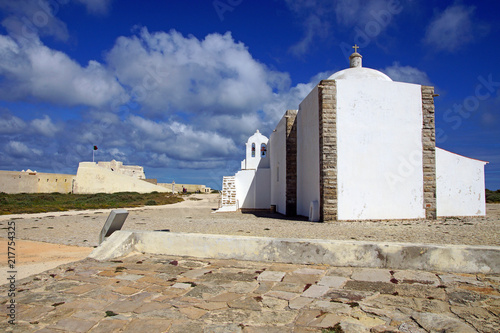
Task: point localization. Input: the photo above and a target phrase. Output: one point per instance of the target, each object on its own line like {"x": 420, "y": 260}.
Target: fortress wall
{"x": 128, "y": 170}
{"x": 31, "y": 182}
{"x": 190, "y": 187}
{"x": 91, "y": 178}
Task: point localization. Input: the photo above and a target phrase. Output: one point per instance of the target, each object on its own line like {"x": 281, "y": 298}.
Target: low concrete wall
{"x": 35, "y": 182}
{"x": 446, "y": 258}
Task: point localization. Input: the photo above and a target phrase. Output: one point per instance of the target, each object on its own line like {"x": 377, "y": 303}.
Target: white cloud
{"x": 10, "y": 124}
{"x": 44, "y": 126}
{"x": 177, "y": 140}
{"x": 451, "y": 29}
{"x": 36, "y": 71}
{"x": 207, "y": 96}
{"x": 318, "y": 18}
{"x": 407, "y": 74}
{"x": 29, "y": 19}
{"x": 19, "y": 149}
{"x": 167, "y": 71}
{"x": 315, "y": 17}
{"x": 99, "y": 7}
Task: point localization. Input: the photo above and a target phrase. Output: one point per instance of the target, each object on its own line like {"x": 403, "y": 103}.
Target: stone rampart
{"x": 35, "y": 182}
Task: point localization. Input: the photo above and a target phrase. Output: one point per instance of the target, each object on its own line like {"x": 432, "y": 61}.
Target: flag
{"x": 95, "y": 147}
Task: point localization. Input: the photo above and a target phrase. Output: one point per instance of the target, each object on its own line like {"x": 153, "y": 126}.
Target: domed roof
{"x": 359, "y": 73}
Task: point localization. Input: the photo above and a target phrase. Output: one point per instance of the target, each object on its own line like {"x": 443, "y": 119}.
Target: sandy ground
{"x": 35, "y": 257}
{"x": 44, "y": 241}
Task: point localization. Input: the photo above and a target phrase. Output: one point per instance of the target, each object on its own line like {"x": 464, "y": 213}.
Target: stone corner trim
{"x": 429, "y": 152}
{"x": 327, "y": 95}
{"x": 291, "y": 162}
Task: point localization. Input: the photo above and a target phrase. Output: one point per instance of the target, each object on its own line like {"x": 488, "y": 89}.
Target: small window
{"x": 253, "y": 149}
{"x": 263, "y": 150}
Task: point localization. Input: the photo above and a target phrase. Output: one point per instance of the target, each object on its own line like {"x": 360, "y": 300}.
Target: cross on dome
{"x": 355, "y": 58}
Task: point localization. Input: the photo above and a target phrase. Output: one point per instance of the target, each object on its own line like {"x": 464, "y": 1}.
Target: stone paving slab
{"x": 158, "y": 293}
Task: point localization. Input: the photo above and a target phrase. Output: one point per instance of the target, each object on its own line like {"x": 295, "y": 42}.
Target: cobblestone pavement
{"x": 144, "y": 293}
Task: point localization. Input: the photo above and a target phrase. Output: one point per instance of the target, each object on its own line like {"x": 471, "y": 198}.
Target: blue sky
{"x": 179, "y": 86}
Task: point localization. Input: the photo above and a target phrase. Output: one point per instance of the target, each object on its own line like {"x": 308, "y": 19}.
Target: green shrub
{"x": 50, "y": 202}
{"x": 492, "y": 196}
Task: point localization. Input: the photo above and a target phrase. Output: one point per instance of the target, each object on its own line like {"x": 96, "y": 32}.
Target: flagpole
{"x": 93, "y": 150}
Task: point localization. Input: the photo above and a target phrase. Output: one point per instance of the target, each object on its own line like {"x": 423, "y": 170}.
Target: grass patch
{"x": 56, "y": 202}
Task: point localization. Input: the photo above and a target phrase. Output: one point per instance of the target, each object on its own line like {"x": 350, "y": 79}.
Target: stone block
{"x": 433, "y": 322}
{"x": 336, "y": 282}
{"x": 315, "y": 291}
{"x": 271, "y": 276}
{"x": 372, "y": 275}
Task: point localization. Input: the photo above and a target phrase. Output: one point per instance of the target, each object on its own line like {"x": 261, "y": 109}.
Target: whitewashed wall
{"x": 277, "y": 149}
{"x": 91, "y": 178}
{"x": 263, "y": 188}
{"x": 308, "y": 153}
{"x": 459, "y": 185}
{"x": 253, "y": 190}
{"x": 245, "y": 188}
{"x": 256, "y": 161}
{"x": 379, "y": 128}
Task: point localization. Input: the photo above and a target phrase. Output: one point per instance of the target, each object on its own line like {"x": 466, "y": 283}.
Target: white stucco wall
{"x": 253, "y": 190}
{"x": 308, "y": 153}
{"x": 277, "y": 149}
{"x": 257, "y": 161}
{"x": 459, "y": 185}
{"x": 379, "y": 128}
{"x": 245, "y": 188}
{"x": 91, "y": 178}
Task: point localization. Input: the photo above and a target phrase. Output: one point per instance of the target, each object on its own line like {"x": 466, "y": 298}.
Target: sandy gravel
{"x": 35, "y": 257}
{"x": 196, "y": 215}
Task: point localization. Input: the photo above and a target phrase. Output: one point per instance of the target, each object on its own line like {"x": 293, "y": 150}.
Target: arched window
{"x": 253, "y": 149}
{"x": 263, "y": 150}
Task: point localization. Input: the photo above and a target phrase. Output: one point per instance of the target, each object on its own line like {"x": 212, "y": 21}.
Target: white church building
{"x": 359, "y": 147}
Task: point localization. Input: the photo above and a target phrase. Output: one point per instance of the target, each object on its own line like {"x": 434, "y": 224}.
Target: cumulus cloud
{"x": 19, "y": 149}
{"x": 44, "y": 126}
{"x": 453, "y": 28}
{"x": 407, "y": 74}
{"x": 10, "y": 124}
{"x": 29, "y": 19}
{"x": 35, "y": 71}
{"x": 177, "y": 140}
{"x": 167, "y": 71}
{"x": 162, "y": 97}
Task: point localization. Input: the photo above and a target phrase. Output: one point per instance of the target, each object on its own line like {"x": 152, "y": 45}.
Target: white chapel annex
{"x": 359, "y": 147}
